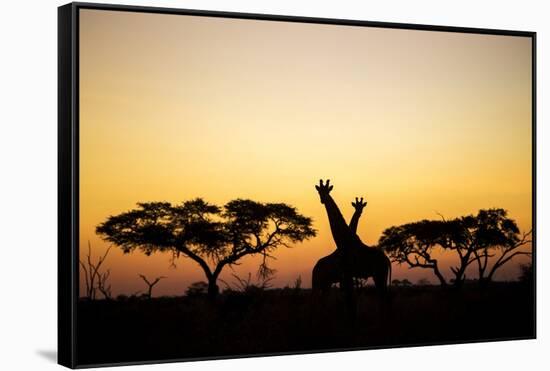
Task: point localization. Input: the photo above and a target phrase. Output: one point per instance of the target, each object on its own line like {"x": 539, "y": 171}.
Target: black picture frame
{"x": 68, "y": 157}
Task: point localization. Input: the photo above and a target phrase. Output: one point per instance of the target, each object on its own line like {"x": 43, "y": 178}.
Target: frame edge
{"x": 300, "y": 19}
{"x": 66, "y": 254}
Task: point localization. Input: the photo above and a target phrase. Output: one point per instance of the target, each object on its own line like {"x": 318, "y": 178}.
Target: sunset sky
{"x": 418, "y": 122}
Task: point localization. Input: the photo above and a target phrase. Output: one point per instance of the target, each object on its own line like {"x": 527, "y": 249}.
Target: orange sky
{"x": 417, "y": 122}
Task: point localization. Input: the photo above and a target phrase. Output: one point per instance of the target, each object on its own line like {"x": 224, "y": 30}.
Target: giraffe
{"x": 327, "y": 270}
{"x": 352, "y": 257}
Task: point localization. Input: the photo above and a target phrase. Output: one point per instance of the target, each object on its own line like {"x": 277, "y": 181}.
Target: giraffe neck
{"x": 341, "y": 233}
{"x": 355, "y": 221}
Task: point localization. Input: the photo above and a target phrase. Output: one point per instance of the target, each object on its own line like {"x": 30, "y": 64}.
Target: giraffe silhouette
{"x": 352, "y": 257}
{"x": 328, "y": 269}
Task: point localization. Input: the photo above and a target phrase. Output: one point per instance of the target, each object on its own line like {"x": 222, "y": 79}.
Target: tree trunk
{"x": 489, "y": 277}
{"x": 458, "y": 282}
{"x": 459, "y": 274}
{"x": 439, "y": 276}
{"x": 213, "y": 288}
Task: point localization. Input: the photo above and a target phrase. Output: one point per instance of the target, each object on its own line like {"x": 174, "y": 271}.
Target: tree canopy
{"x": 212, "y": 236}
{"x": 473, "y": 238}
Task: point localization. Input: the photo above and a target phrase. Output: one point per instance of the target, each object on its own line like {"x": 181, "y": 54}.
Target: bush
{"x": 199, "y": 288}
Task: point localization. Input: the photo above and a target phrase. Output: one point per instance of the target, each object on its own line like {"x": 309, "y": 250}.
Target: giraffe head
{"x": 359, "y": 205}
{"x": 324, "y": 190}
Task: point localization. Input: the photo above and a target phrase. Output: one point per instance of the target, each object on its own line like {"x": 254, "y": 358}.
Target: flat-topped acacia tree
{"x": 489, "y": 240}
{"x": 212, "y": 236}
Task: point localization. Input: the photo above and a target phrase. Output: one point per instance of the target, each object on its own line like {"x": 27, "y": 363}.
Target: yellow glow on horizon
{"x": 417, "y": 122}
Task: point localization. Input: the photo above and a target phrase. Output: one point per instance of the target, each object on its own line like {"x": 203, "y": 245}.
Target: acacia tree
{"x": 489, "y": 234}
{"x": 497, "y": 236}
{"x": 214, "y": 237}
{"x": 413, "y": 244}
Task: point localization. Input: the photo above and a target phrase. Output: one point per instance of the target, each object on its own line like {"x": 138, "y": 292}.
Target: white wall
{"x": 28, "y": 151}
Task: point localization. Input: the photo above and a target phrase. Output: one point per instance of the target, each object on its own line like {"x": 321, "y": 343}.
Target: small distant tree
{"x": 423, "y": 282}
{"x": 103, "y": 284}
{"x": 197, "y": 289}
{"x": 298, "y": 283}
{"x": 95, "y": 279}
{"x": 396, "y": 282}
{"x": 211, "y": 236}
{"x": 406, "y": 283}
{"x": 150, "y": 284}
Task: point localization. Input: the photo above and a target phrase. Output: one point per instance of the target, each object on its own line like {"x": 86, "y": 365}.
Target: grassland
{"x": 293, "y": 320}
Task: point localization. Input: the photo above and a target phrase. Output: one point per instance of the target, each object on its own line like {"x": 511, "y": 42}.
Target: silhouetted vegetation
{"x": 423, "y": 282}
{"x": 94, "y": 278}
{"x": 401, "y": 283}
{"x": 150, "y": 284}
{"x": 526, "y": 273}
{"x": 197, "y": 289}
{"x": 473, "y": 238}
{"x": 294, "y": 320}
{"x": 247, "y": 285}
{"x": 211, "y": 236}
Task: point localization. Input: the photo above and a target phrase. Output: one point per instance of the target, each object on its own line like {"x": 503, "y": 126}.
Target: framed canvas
{"x": 193, "y": 223}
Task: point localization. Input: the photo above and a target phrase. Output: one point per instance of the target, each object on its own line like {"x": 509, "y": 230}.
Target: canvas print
{"x": 255, "y": 187}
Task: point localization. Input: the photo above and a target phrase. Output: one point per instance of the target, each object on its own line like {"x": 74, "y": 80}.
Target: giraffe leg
{"x": 379, "y": 283}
